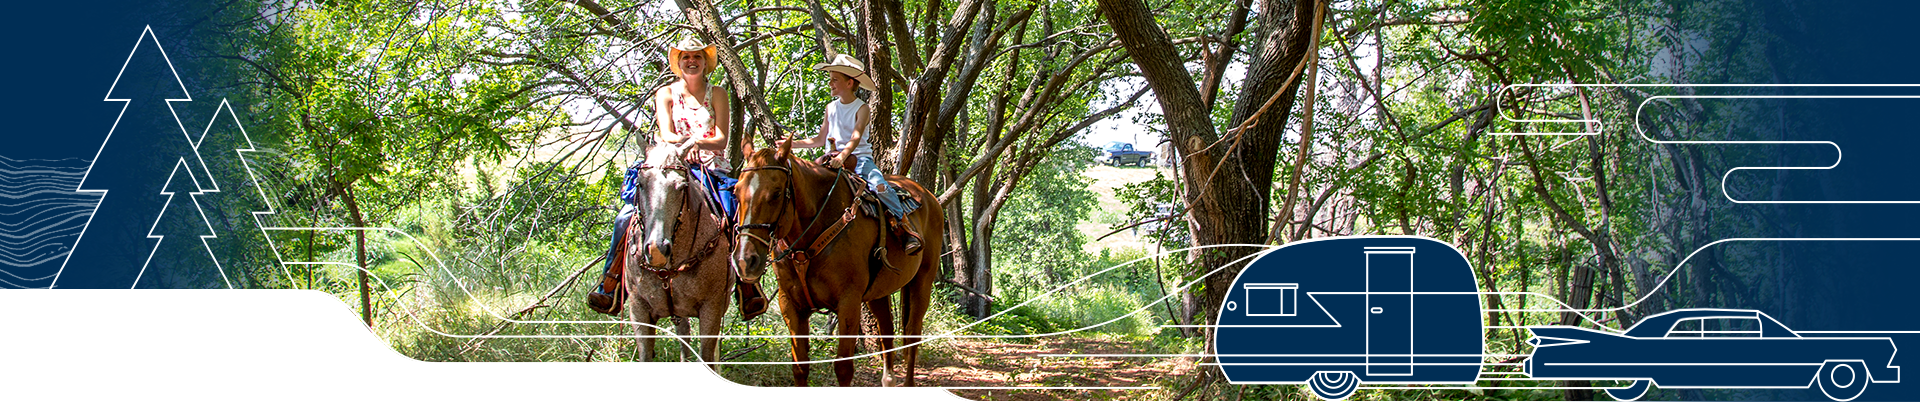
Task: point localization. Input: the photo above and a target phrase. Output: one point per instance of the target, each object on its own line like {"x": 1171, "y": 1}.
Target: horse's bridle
{"x": 770, "y": 226}
{"x": 693, "y": 260}
{"x": 785, "y": 252}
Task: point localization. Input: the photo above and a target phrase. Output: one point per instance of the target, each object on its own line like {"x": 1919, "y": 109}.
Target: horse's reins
{"x": 666, "y": 273}
{"x": 787, "y": 251}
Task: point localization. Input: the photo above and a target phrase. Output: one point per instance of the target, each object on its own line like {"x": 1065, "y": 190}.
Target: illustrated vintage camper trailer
{"x": 1335, "y": 313}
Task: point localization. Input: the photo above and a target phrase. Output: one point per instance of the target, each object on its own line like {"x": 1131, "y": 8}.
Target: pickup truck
{"x": 1122, "y": 153}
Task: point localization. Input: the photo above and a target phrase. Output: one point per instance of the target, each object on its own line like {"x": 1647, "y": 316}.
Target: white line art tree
{"x": 235, "y": 201}
{"x": 177, "y": 261}
{"x": 145, "y": 140}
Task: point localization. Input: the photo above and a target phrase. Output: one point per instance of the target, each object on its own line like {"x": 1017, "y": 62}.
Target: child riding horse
{"x": 803, "y": 219}
{"x": 844, "y": 125}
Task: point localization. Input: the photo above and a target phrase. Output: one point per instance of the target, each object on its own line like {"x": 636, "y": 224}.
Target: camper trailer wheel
{"x": 1629, "y": 392}
{"x": 1333, "y": 386}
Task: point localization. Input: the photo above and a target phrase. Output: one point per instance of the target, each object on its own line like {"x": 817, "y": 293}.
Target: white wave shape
{"x": 41, "y": 215}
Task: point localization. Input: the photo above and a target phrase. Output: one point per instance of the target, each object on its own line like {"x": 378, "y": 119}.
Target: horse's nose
{"x": 658, "y": 252}
{"x": 754, "y": 265}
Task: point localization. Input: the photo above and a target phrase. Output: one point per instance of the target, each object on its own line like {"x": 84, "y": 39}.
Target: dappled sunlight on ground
{"x": 1001, "y": 363}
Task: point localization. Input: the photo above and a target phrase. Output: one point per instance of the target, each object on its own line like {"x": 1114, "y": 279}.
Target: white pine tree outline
{"x": 241, "y": 154}
{"x": 193, "y": 198}
{"x": 145, "y": 33}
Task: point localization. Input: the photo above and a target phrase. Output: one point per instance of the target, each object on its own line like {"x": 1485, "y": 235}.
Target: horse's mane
{"x": 770, "y": 156}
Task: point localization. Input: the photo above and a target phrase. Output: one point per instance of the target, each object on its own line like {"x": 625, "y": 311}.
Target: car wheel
{"x": 1333, "y": 386}
{"x": 1629, "y": 392}
{"x": 1843, "y": 380}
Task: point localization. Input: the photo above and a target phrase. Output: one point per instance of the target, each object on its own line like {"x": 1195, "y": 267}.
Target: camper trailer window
{"x": 1272, "y": 299}
{"x": 1287, "y": 301}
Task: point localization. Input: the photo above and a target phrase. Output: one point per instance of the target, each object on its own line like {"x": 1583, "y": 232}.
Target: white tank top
{"x": 694, "y": 121}
{"x": 840, "y": 121}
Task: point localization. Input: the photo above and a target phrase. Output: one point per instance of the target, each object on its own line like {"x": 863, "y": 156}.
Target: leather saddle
{"x": 869, "y": 202}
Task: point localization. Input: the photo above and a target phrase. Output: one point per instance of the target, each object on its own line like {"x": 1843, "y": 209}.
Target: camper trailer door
{"x": 1389, "y": 311}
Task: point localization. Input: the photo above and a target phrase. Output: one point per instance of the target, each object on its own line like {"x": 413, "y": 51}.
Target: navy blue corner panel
{"x": 104, "y": 183}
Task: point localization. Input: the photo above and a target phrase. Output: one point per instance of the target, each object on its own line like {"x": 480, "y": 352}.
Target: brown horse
{"x": 802, "y": 218}
{"x": 675, "y": 265}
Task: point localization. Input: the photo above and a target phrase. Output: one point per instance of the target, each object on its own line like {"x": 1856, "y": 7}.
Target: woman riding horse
{"x": 694, "y": 114}
{"x": 679, "y": 283}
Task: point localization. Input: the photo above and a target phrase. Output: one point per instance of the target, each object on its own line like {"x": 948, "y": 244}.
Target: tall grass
{"x": 1098, "y": 294}
{"x": 1105, "y": 308}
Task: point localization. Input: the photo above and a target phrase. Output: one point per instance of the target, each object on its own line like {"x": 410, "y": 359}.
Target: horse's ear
{"x": 786, "y": 150}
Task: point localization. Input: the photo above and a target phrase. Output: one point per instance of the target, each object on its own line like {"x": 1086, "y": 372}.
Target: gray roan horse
{"x": 676, "y": 254}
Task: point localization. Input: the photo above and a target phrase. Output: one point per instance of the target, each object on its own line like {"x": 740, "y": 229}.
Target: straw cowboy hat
{"x": 690, "y": 44}
{"x": 846, "y": 64}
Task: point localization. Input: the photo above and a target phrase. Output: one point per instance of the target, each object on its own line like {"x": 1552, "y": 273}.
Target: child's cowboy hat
{"x": 690, "y": 44}
{"x": 846, "y": 64}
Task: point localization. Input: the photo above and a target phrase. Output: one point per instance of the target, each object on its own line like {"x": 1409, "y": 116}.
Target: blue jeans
{"x": 619, "y": 232}
{"x": 719, "y": 187}
{"x": 877, "y": 182}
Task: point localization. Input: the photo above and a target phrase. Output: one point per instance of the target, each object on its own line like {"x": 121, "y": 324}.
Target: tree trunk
{"x": 933, "y": 135}
{"x": 924, "y": 97}
{"x": 1227, "y": 179}
{"x": 873, "y": 28}
{"x": 962, "y": 250}
{"x": 360, "y": 247}
{"x": 975, "y": 269}
{"x": 982, "y": 250}
{"x": 1219, "y": 59}
{"x": 980, "y": 306}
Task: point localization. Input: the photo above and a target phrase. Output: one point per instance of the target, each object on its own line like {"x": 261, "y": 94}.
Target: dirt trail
{"x": 1001, "y": 363}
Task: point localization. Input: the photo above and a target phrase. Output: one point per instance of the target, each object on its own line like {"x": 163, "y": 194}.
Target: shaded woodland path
{"x": 999, "y": 363}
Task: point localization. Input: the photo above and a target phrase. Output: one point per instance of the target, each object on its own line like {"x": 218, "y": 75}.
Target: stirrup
{"x": 913, "y": 244}
{"x": 606, "y": 303}
{"x": 905, "y": 228}
{"x": 610, "y": 295}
